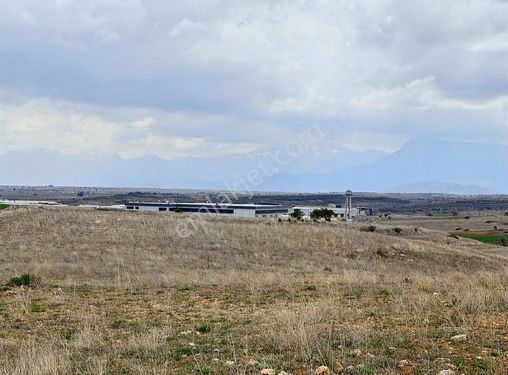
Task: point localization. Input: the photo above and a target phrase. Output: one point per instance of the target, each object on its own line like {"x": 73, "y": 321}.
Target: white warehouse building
{"x": 237, "y": 210}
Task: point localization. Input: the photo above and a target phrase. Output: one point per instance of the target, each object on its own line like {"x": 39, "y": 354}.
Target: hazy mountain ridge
{"x": 454, "y": 167}
{"x": 483, "y": 165}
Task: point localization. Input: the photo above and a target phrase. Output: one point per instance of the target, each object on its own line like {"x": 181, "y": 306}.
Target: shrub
{"x": 370, "y": 228}
{"x": 25, "y": 279}
{"x": 118, "y": 324}
{"x": 68, "y": 333}
{"x": 204, "y": 328}
{"x": 482, "y": 364}
{"x": 397, "y": 230}
{"x": 297, "y": 214}
{"x": 34, "y": 307}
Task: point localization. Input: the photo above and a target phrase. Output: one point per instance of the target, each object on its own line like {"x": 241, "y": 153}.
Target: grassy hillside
{"x": 117, "y": 292}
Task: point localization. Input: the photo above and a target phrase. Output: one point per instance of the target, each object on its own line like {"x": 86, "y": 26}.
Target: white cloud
{"x": 71, "y": 128}
{"x": 490, "y": 43}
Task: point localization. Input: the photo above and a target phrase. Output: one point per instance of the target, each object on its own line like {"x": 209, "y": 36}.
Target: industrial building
{"x": 348, "y": 212}
{"x": 339, "y": 212}
{"x": 237, "y": 210}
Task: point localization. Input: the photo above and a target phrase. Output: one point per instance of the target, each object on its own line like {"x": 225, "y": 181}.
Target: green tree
{"x": 297, "y": 214}
{"x": 321, "y": 213}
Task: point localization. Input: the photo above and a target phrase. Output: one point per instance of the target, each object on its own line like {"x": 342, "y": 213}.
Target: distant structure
{"x": 238, "y": 210}
{"x": 348, "y": 212}
{"x": 349, "y": 196}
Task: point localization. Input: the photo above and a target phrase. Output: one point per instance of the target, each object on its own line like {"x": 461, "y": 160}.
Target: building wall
{"x": 238, "y": 211}
{"x": 143, "y": 208}
{"x": 245, "y": 212}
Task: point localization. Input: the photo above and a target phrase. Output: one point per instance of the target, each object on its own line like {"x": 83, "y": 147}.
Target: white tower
{"x": 349, "y": 195}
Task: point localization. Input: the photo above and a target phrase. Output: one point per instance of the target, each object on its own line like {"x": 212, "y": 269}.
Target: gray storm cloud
{"x": 170, "y": 78}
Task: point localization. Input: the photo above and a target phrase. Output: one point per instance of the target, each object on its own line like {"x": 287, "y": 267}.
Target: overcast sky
{"x": 196, "y": 77}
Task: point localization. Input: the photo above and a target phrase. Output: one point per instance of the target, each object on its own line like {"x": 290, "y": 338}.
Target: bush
{"x": 370, "y": 228}
{"x": 297, "y": 214}
{"x": 34, "y": 307}
{"x": 118, "y": 324}
{"x": 204, "y": 328}
{"x": 24, "y": 280}
{"x": 397, "y": 230}
{"x": 68, "y": 333}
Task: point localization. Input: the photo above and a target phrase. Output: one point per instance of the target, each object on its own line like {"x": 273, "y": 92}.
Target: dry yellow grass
{"x": 123, "y": 293}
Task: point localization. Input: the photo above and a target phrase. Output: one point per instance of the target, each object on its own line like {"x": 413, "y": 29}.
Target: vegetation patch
{"x": 68, "y": 334}
{"x": 204, "y": 328}
{"x": 494, "y": 237}
{"x": 25, "y": 279}
{"x": 34, "y": 307}
{"x": 3, "y": 206}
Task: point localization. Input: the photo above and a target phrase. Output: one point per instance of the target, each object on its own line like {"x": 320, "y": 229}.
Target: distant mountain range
{"x": 420, "y": 166}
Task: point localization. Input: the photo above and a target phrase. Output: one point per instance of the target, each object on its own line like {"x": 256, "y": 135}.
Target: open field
{"x": 414, "y": 204}
{"x": 498, "y": 237}
{"x": 122, "y": 293}
{"x": 459, "y": 223}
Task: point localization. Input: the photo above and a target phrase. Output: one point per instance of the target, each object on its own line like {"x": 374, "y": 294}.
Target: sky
{"x": 210, "y": 77}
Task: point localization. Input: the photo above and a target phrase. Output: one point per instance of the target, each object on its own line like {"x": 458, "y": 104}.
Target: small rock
{"x": 350, "y": 369}
{"x": 446, "y": 372}
{"x": 252, "y": 362}
{"x": 191, "y": 344}
{"x": 356, "y": 352}
{"x": 267, "y": 371}
{"x": 337, "y": 367}
{"x": 370, "y": 355}
{"x": 322, "y": 370}
{"x": 229, "y": 363}
{"x": 458, "y": 338}
{"x": 283, "y": 373}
